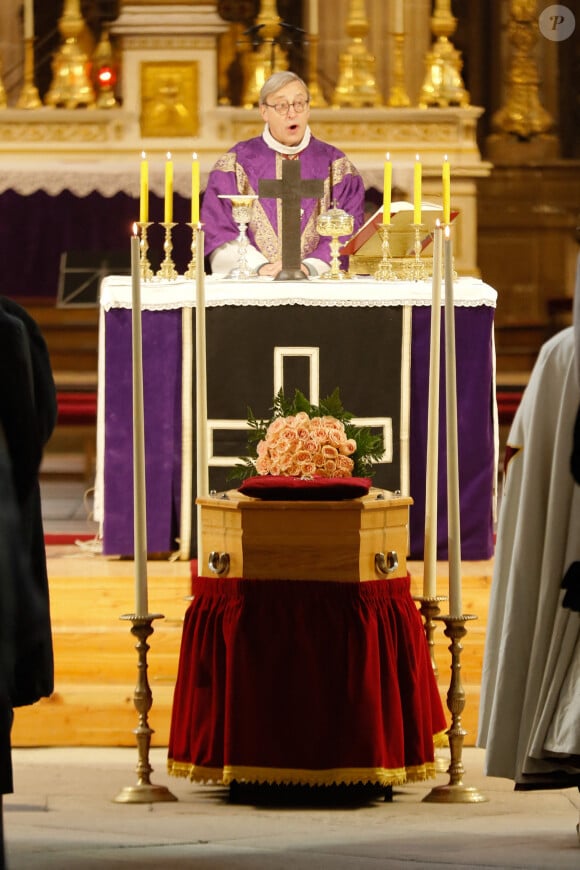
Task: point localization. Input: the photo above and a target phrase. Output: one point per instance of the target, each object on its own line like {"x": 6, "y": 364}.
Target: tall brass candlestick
{"x": 141, "y": 620}
{"x": 455, "y": 791}
{"x": 139, "y": 493}
{"x": 453, "y": 510}
{"x": 29, "y": 98}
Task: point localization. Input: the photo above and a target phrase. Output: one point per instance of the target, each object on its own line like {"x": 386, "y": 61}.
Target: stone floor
{"x": 63, "y": 816}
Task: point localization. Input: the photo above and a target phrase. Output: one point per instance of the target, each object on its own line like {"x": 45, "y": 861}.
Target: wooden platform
{"x": 96, "y": 661}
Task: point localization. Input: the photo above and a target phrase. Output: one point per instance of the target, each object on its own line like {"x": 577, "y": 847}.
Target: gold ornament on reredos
{"x": 169, "y": 99}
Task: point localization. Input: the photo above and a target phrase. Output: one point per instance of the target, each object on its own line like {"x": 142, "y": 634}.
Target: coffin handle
{"x": 386, "y": 564}
{"x": 219, "y": 563}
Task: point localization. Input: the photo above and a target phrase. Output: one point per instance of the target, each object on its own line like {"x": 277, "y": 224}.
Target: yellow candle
{"x": 387, "y": 184}
{"x": 446, "y": 191}
{"x": 195, "y": 189}
{"x": 144, "y": 190}
{"x": 168, "y": 217}
{"x": 417, "y": 192}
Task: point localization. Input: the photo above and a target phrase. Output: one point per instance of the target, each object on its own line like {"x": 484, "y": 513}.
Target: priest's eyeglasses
{"x": 283, "y": 107}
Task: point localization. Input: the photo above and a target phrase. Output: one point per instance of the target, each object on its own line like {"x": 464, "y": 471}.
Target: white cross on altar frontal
{"x": 312, "y": 393}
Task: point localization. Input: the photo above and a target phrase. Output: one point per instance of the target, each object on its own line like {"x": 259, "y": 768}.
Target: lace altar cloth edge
{"x": 160, "y": 295}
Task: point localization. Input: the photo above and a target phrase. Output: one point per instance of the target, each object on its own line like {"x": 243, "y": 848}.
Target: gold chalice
{"x": 335, "y": 223}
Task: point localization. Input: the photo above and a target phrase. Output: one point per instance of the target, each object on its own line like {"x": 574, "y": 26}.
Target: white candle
{"x": 398, "y": 20}
{"x": 28, "y": 19}
{"x": 432, "y": 471}
{"x": 313, "y": 18}
{"x": 453, "y": 513}
{"x": 139, "y": 492}
{"x": 200, "y": 384}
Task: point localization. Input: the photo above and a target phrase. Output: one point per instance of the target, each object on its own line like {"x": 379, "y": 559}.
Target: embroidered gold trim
{"x": 297, "y": 776}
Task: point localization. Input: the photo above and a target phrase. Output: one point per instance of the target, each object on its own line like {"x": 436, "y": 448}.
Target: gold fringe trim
{"x": 441, "y": 740}
{"x": 296, "y": 776}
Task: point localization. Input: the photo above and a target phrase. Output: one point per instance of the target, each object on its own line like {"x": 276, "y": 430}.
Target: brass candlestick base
{"x": 418, "y": 270}
{"x": 398, "y": 95}
{"x": 29, "y": 98}
{"x": 317, "y": 100}
{"x": 455, "y": 791}
{"x": 443, "y": 85}
{"x": 385, "y": 271}
{"x": 167, "y": 268}
{"x": 144, "y": 264}
{"x": 191, "y": 271}
{"x": 71, "y": 87}
{"x": 143, "y": 792}
{"x": 335, "y": 223}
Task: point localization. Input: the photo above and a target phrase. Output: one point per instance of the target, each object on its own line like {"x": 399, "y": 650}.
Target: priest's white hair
{"x": 279, "y": 80}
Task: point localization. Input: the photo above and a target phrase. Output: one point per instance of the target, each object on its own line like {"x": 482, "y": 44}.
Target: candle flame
{"x": 135, "y": 229}
{"x": 417, "y": 157}
{"x": 143, "y": 156}
{"x": 388, "y": 155}
{"x": 195, "y": 155}
{"x": 447, "y": 231}
{"x": 169, "y": 155}
{"x": 437, "y": 223}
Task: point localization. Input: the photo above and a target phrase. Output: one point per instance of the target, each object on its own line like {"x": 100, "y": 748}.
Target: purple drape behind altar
{"x": 162, "y": 406}
{"x": 475, "y": 397}
{"x": 35, "y": 231}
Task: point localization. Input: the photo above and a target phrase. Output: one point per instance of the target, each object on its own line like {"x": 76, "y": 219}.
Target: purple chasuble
{"x": 240, "y": 170}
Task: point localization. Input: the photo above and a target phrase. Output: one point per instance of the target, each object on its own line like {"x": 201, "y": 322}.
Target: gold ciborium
{"x": 242, "y": 205}
{"x": 335, "y": 223}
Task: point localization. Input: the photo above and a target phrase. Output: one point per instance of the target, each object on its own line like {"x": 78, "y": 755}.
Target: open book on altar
{"x": 364, "y": 248}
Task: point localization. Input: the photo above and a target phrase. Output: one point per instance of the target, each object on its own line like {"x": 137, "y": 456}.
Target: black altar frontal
{"x": 371, "y": 339}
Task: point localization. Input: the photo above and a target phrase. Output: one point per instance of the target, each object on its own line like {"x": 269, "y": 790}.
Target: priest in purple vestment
{"x": 285, "y": 108}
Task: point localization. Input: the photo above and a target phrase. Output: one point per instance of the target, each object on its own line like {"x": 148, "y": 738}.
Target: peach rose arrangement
{"x": 306, "y": 441}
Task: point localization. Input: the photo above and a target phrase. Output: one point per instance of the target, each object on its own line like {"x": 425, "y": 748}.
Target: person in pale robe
{"x": 529, "y": 720}
{"x": 285, "y": 108}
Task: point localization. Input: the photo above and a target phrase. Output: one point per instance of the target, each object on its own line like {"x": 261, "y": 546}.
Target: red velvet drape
{"x": 304, "y": 682}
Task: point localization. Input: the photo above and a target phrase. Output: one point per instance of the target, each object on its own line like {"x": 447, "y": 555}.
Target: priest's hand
{"x": 272, "y": 269}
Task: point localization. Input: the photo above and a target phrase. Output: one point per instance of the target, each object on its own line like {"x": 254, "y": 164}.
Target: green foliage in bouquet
{"x": 366, "y": 449}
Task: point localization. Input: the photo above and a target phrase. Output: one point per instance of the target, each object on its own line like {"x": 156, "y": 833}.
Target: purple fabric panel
{"x": 474, "y": 364}
{"x": 162, "y": 411}
{"x": 40, "y": 228}
{"x": 259, "y": 161}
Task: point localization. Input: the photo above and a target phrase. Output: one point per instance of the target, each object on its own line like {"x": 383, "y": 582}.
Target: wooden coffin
{"x": 353, "y": 540}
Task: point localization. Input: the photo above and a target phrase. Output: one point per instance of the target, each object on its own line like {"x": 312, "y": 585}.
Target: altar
{"x": 370, "y": 339}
